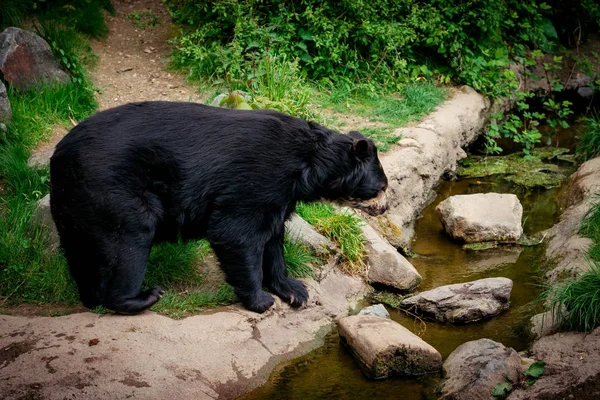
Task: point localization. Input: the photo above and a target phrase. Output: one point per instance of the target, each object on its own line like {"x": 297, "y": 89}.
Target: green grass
{"x": 580, "y": 298}
{"x": 298, "y": 259}
{"x": 37, "y": 111}
{"x": 343, "y": 229}
{"x": 589, "y": 142}
{"x": 590, "y": 227}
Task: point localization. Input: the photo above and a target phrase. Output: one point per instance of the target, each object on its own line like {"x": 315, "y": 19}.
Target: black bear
{"x": 146, "y": 172}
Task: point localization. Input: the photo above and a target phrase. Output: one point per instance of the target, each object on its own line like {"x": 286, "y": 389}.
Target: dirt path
{"x": 131, "y": 66}
{"x": 132, "y": 61}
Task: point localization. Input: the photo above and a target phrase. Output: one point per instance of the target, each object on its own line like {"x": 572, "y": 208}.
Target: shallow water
{"x": 330, "y": 372}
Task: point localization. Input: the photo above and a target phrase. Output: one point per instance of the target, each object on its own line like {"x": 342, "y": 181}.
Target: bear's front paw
{"x": 260, "y": 302}
{"x": 291, "y": 291}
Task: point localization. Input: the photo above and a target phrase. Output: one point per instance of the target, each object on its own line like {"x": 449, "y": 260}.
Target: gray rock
{"x": 386, "y": 265}
{"x": 474, "y": 368}
{"x": 376, "y": 310}
{"x": 482, "y": 217}
{"x": 299, "y": 229}
{"x": 572, "y": 368}
{"x": 43, "y": 217}
{"x": 463, "y": 302}
{"x": 5, "y": 110}
{"x": 585, "y": 92}
{"x": 40, "y": 159}
{"x": 26, "y": 59}
{"x": 384, "y": 348}
{"x": 546, "y": 323}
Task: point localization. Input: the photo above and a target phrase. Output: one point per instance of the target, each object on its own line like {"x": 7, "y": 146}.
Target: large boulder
{"x": 26, "y": 59}
{"x": 572, "y": 368}
{"x": 5, "y": 110}
{"x": 386, "y": 265}
{"x": 384, "y": 348}
{"x": 482, "y": 217}
{"x": 463, "y": 302}
{"x": 473, "y": 370}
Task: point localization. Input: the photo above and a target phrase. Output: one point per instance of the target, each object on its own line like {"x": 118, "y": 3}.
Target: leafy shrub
{"x": 589, "y": 142}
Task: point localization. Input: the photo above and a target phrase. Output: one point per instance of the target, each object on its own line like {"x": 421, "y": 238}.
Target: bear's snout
{"x": 375, "y": 206}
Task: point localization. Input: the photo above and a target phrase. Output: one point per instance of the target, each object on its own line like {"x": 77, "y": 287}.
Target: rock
{"x": 482, "y": 217}
{"x": 474, "y": 368}
{"x": 222, "y": 353}
{"x": 5, "y": 110}
{"x": 463, "y": 302}
{"x": 572, "y": 368}
{"x": 40, "y": 159}
{"x": 26, "y": 59}
{"x": 384, "y": 348}
{"x": 377, "y": 310}
{"x": 386, "y": 265}
{"x": 299, "y": 229}
{"x": 586, "y": 92}
{"x": 414, "y": 168}
{"x": 43, "y": 217}
{"x": 546, "y": 323}
{"x": 565, "y": 246}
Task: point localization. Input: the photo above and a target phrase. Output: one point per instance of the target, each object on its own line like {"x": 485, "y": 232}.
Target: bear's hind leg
{"x": 243, "y": 268}
{"x": 123, "y": 289}
{"x": 276, "y": 277}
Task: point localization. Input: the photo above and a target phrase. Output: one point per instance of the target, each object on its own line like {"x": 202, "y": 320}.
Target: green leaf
{"x": 536, "y": 369}
{"x": 502, "y": 389}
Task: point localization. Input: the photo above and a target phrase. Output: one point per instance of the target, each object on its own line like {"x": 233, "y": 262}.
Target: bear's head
{"x": 358, "y": 179}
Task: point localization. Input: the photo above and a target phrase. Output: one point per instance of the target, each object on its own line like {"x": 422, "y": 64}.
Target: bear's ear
{"x": 361, "y": 148}
{"x": 356, "y": 135}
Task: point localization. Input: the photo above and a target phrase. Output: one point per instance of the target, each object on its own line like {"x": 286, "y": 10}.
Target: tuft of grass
{"x": 383, "y": 136}
{"x": 181, "y": 304}
{"x": 35, "y": 112}
{"x": 298, "y": 259}
{"x": 344, "y": 229}
{"x": 170, "y": 264}
{"x": 580, "y": 299}
{"x": 143, "y": 19}
{"x": 589, "y": 142}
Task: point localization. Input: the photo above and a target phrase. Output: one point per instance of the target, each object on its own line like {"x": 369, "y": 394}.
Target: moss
{"x": 529, "y": 172}
{"x": 480, "y": 246}
{"x": 391, "y": 299}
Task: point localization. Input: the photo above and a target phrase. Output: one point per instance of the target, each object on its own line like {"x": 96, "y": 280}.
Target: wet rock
{"x": 377, "y": 310}
{"x": 386, "y": 265}
{"x": 26, "y": 59}
{"x": 299, "y": 229}
{"x": 474, "y": 368}
{"x": 463, "y": 302}
{"x": 482, "y": 217}
{"x": 572, "y": 368}
{"x": 384, "y": 348}
{"x": 415, "y": 166}
{"x": 43, "y": 217}
{"x": 5, "y": 110}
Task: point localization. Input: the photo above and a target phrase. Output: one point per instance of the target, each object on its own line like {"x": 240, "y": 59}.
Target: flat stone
{"x": 5, "y": 110}
{"x": 463, "y": 302}
{"x": 300, "y": 230}
{"x": 376, "y": 310}
{"x": 474, "y": 368}
{"x": 384, "y": 348}
{"x": 482, "y": 217}
{"x": 386, "y": 265}
{"x": 26, "y": 59}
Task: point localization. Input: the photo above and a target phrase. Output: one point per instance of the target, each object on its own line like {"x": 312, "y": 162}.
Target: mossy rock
{"x": 530, "y": 172}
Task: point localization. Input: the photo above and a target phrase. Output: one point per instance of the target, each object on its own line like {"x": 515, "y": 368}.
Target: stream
{"x": 330, "y": 371}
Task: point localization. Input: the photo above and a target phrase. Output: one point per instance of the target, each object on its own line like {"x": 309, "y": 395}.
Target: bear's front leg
{"x": 276, "y": 277}
{"x": 243, "y": 267}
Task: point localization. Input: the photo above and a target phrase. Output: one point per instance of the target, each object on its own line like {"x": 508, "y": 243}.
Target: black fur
{"x": 154, "y": 171}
